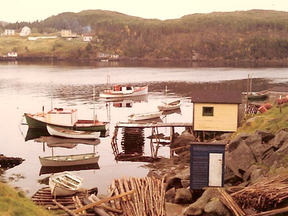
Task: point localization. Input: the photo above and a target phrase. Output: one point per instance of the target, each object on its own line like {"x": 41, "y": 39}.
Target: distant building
{"x": 114, "y": 57}
{"x": 25, "y": 31}
{"x": 103, "y": 56}
{"x": 87, "y": 37}
{"x": 67, "y": 33}
{"x": 9, "y": 32}
{"x": 12, "y": 54}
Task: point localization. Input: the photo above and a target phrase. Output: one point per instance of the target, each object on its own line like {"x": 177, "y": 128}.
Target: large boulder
{"x": 184, "y": 174}
{"x": 197, "y": 208}
{"x": 278, "y": 148}
{"x": 170, "y": 195}
{"x": 266, "y": 137}
{"x": 183, "y": 196}
{"x": 280, "y": 138}
{"x": 234, "y": 143}
{"x": 240, "y": 159}
{"x": 183, "y": 140}
{"x": 257, "y": 145}
{"x": 216, "y": 207}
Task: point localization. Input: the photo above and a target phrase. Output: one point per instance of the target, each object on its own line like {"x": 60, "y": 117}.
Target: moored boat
{"x": 170, "y": 106}
{"x": 122, "y": 91}
{"x": 69, "y": 160}
{"x": 74, "y": 134}
{"x": 144, "y": 116}
{"x": 65, "y": 118}
{"x": 64, "y": 184}
{"x": 258, "y": 95}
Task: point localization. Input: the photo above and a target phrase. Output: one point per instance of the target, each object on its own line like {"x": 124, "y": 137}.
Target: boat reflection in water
{"x": 69, "y": 162}
{"x": 125, "y": 102}
{"x": 57, "y": 169}
{"x": 34, "y": 133}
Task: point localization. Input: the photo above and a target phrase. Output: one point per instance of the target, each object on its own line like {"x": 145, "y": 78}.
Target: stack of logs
{"x": 133, "y": 140}
{"x": 148, "y": 198}
{"x": 265, "y": 194}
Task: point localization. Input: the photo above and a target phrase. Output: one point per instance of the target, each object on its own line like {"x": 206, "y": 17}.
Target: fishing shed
{"x": 215, "y": 111}
{"x": 206, "y": 165}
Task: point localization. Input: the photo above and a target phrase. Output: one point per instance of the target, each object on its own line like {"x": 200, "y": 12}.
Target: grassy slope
{"x": 272, "y": 121}
{"x": 42, "y": 47}
{"x": 14, "y": 203}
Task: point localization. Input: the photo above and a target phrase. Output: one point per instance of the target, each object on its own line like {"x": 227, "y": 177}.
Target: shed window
{"x": 208, "y": 111}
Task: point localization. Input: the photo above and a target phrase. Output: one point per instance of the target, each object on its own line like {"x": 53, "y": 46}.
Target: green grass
{"x": 59, "y": 47}
{"x": 272, "y": 121}
{"x": 15, "y": 203}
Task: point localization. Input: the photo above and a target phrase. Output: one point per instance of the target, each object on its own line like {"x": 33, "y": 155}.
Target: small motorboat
{"x": 67, "y": 133}
{"x": 170, "y": 106}
{"x": 64, "y": 184}
{"x": 64, "y": 118}
{"x": 258, "y": 95}
{"x": 144, "y": 116}
{"x": 121, "y": 91}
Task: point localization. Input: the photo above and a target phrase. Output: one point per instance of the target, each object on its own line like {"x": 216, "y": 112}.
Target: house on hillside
{"x": 25, "y": 31}
{"x": 215, "y": 111}
{"x": 87, "y": 37}
{"x": 67, "y": 33}
{"x": 9, "y": 32}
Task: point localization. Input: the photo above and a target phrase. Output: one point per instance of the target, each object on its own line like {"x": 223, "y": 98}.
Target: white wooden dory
{"x": 69, "y": 160}
{"x": 67, "y": 133}
{"x": 144, "y": 116}
{"x": 64, "y": 184}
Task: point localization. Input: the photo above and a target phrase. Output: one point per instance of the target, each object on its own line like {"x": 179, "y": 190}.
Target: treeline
{"x": 243, "y": 35}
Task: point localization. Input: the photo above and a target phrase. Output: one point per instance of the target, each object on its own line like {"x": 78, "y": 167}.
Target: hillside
{"x": 240, "y": 35}
{"x": 15, "y": 203}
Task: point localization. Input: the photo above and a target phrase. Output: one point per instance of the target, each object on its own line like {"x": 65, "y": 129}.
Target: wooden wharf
{"x": 154, "y": 126}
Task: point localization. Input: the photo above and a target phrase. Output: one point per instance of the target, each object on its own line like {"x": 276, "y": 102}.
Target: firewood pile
{"x": 133, "y": 140}
{"x": 265, "y": 194}
{"x": 148, "y": 198}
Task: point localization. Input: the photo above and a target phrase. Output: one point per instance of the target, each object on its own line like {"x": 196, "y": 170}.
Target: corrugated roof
{"x": 216, "y": 96}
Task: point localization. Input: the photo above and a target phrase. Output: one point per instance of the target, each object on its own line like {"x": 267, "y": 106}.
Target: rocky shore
{"x": 250, "y": 161}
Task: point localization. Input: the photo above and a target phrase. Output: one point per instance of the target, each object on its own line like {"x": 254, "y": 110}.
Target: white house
{"x": 87, "y": 37}
{"x": 25, "y": 31}
{"x": 68, "y": 34}
{"x": 9, "y": 32}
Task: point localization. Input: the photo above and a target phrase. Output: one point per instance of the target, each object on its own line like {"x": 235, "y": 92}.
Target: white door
{"x": 215, "y": 169}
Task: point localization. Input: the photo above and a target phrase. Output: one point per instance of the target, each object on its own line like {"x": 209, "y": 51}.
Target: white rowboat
{"x": 64, "y": 184}
{"x": 170, "y": 106}
{"x": 144, "y": 116}
{"x": 69, "y": 160}
{"x": 67, "y": 133}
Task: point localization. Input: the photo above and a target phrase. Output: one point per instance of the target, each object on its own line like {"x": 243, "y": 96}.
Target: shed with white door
{"x": 206, "y": 165}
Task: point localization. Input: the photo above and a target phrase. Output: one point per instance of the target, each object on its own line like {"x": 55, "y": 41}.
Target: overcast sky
{"x": 32, "y": 10}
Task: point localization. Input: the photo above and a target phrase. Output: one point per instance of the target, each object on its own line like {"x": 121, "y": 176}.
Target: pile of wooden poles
{"x": 264, "y": 195}
{"x": 148, "y": 198}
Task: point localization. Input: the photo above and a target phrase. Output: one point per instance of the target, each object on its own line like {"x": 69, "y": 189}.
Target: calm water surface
{"x": 26, "y": 87}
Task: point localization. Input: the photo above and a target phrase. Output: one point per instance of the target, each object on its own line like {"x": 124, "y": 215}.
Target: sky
{"x": 33, "y": 10}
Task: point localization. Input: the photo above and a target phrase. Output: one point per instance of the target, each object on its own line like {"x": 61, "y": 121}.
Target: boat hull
{"x": 67, "y": 133}
{"x": 69, "y": 160}
{"x": 145, "y": 116}
{"x": 138, "y": 91}
{"x": 64, "y": 184}
{"x": 170, "y": 106}
{"x": 81, "y": 125}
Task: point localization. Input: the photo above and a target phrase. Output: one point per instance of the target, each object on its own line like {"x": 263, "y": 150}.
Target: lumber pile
{"x": 264, "y": 195}
{"x": 148, "y": 198}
